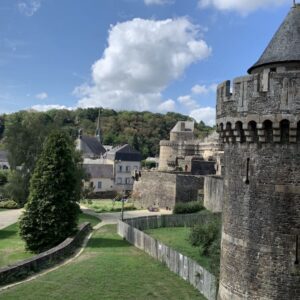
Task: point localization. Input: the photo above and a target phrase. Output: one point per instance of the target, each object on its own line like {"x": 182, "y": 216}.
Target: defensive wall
{"x": 164, "y": 189}
{"x": 259, "y": 124}
{"x": 213, "y": 193}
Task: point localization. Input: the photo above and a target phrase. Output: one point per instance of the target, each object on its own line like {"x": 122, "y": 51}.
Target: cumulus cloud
{"x": 29, "y": 7}
{"x": 41, "y": 96}
{"x": 142, "y": 58}
{"x": 241, "y": 6}
{"x": 166, "y": 106}
{"x": 158, "y": 2}
{"x": 42, "y": 107}
{"x": 204, "y": 89}
{"x": 188, "y": 101}
{"x": 205, "y": 114}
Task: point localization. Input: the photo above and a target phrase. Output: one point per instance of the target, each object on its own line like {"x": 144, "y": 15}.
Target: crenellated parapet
{"x": 262, "y": 108}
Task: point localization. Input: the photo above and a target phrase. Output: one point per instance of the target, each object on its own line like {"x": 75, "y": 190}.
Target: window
{"x": 128, "y": 180}
{"x": 136, "y": 167}
{"x": 119, "y": 180}
{"x": 120, "y": 168}
{"x": 99, "y": 185}
{"x": 127, "y": 169}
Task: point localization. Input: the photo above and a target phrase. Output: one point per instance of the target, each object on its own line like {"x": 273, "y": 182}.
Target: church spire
{"x": 98, "y": 129}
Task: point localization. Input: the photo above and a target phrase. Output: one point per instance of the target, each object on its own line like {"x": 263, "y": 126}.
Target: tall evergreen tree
{"x": 51, "y": 213}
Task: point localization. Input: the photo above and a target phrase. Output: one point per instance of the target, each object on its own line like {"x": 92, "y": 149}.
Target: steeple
{"x": 98, "y": 129}
{"x": 284, "y": 48}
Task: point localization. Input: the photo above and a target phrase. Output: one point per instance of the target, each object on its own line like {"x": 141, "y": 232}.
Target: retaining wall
{"x": 182, "y": 265}
{"x": 43, "y": 260}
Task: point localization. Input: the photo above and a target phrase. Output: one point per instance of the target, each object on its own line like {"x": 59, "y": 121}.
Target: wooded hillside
{"x": 142, "y": 130}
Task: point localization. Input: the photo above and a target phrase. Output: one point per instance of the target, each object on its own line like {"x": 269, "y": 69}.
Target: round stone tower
{"x": 259, "y": 125}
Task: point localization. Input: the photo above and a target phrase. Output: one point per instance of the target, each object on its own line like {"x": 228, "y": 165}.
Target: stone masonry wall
{"x": 187, "y": 187}
{"x": 165, "y": 189}
{"x": 213, "y": 193}
{"x": 155, "y": 188}
{"x": 261, "y": 220}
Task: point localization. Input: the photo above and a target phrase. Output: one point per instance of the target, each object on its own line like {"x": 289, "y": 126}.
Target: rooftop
{"x": 285, "y": 44}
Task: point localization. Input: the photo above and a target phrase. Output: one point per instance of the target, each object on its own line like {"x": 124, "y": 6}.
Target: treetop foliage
{"x": 52, "y": 210}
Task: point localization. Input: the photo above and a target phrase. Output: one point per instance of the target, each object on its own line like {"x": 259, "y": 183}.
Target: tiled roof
{"x": 94, "y": 145}
{"x": 125, "y": 153}
{"x": 285, "y": 44}
{"x": 99, "y": 171}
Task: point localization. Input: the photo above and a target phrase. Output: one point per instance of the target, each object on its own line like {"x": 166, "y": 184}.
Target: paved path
{"x": 8, "y": 217}
{"x": 11, "y": 216}
{"x": 112, "y": 218}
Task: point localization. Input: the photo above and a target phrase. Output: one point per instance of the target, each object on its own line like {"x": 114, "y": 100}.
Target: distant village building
{"x": 4, "y": 164}
{"x": 110, "y": 169}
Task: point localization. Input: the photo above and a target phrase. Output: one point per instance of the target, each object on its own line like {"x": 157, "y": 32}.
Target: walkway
{"x": 112, "y": 218}
{"x": 8, "y": 217}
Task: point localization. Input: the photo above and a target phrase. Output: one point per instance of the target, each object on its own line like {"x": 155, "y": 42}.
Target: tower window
{"x": 297, "y": 251}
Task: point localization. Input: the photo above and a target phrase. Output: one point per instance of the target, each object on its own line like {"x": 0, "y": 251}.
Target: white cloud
{"x": 205, "y": 114}
{"x": 42, "y": 107}
{"x": 204, "y": 89}
{"x": 241, "y": 6}
{"x": 29, "y": 7}
{"x": 158, "y": 2}
{"x": 188, "y": 102}
{"x": 142, "y": 58}
{"x": 41, "y": 96}
{"x": 166, "y": 106}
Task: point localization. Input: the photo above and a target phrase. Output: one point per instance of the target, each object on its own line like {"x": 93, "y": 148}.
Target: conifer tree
{"x": 51, "y": 213}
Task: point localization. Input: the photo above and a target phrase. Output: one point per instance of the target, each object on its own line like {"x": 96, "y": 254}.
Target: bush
{"x": 8, "y": 204}
{"x": 205, "y": 235}
{"x": 187, "y": 208}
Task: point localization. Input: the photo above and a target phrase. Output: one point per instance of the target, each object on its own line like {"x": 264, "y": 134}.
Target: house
{"x": 101, "y": 177}
{"x": 126, "y": 161}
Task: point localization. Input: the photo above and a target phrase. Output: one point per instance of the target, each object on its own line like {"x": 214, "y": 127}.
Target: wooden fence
{"x": 186, "y": 268}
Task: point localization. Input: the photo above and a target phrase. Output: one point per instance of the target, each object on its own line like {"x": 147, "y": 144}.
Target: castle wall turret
{"x": 259, "y": 125}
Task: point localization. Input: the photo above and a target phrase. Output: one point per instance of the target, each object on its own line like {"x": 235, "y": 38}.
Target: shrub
{"x": 187, "y": 208}
{"x": 8, "y": 204}
{"x": 205, "y": 235}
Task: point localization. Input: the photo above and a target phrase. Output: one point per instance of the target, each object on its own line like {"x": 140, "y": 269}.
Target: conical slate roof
{"x": 285, "y": 45}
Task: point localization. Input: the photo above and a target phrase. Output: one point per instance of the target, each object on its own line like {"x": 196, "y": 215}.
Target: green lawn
{"x": 12, "y": 247}
{"x": 107, "y": 205}
{"x": 109, "y": 268}
{"x": 176, "y": 237}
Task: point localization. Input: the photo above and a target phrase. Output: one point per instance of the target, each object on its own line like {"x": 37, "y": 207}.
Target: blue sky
{"x": 157, "y": 55}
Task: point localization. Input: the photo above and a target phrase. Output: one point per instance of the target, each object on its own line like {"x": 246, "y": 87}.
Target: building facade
{"x": 259, "y": 125}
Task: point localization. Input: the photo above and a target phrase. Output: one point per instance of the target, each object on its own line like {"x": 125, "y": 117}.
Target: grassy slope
{"x": 109, "y": 268}
{"x": 12, "y": 247}
{"x": 176, "y": 237}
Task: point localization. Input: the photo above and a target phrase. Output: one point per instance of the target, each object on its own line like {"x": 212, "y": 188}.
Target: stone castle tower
{"x": 258, "y": 119}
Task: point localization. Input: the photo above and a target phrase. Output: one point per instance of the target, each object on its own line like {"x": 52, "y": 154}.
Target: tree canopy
{"x": 52, "y": 210}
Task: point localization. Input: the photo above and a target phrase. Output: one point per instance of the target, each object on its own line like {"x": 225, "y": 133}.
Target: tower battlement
{"x": 263, "y": 107}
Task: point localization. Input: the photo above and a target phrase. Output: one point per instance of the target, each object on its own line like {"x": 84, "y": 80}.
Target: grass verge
{"x": 102, "y": 206}
{"x": 177, "y": 238}
{"x": 12, "y": 247}
{"x": 109, "y": 268}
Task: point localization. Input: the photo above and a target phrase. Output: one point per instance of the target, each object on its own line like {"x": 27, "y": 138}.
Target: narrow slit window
{"x": 297, "y": 251}
{"x": 247, "y": 171}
